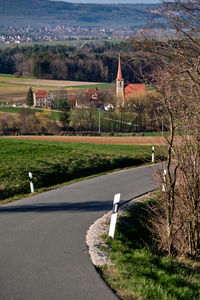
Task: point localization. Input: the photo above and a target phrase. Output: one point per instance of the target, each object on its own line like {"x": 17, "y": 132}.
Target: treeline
{"x": 89, "y": 63}
{"x": 140, "y": 114}
{"x": 60, "y": 12}
{"x": 29, "y": 122}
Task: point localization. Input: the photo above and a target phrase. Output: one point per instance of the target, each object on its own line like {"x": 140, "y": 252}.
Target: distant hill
{"x": 59, "y": 12}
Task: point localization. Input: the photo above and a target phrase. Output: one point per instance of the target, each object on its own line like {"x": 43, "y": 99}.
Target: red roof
{"x": 119, "y": 73}
{"x": 134, "y": 89}
{"x": 92, "y": 91}
{"x": 41, "y": 94}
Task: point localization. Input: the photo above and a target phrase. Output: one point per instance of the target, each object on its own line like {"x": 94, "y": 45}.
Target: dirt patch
{"x": 97, "y": 140}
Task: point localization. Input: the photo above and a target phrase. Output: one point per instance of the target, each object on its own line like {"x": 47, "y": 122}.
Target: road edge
{"x": 100, "y": 227}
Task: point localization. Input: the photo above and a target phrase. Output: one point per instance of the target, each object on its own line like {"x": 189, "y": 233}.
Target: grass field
{"x": 74, "y": 43}
{"x": 92, "y": 85}
{"x": 17, "y": 110}
{"x": 55, "y": 162}
{"x": 16, "y": 88}
{"x": 13, "y": 90}
{"x": 8, "y": 77}
{"x": 137, "y": 273}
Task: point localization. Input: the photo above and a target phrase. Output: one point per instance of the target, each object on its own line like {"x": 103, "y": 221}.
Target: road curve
{"x": 43, "y": 254}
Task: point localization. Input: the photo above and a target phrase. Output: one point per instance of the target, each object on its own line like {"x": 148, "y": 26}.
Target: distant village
{"x": 91, "y": 97}
{"x": 28, "y": 34}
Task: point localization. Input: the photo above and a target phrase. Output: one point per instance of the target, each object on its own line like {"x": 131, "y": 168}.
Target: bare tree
{"x": 176, "y": 77}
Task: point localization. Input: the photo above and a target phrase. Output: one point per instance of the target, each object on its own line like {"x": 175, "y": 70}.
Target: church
{"x": 123, "y": 93}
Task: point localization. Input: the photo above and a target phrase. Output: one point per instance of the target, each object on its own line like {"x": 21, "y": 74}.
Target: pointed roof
{"x": 119, "y": 73}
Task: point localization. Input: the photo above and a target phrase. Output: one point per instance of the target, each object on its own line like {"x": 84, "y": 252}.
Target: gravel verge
{"x": 100, "y": 227}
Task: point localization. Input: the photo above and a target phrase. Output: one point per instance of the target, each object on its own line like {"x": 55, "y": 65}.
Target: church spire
{"x": 120, "y": 85}
{"x": 119, "y": 73}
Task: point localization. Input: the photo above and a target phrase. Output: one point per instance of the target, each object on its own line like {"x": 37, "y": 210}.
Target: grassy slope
{"x": 139, "y": 273}
{"x": 17, "y": 110}
{"x": 55, "y": 163}
{"x": 9, "y": 92}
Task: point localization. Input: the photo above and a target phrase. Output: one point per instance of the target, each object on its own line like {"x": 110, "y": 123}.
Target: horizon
{"x": 113, "y": 1}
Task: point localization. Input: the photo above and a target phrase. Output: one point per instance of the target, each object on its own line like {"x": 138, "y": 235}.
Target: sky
{"x": 113, "y": 1}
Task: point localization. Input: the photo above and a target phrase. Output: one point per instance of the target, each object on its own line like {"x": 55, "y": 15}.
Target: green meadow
{"x": 63, "y": 43}
{"x": 11, "y": 87}
{"x": 18, "y": 110}
{"x": 54, "y": 163}
{"x": 139, "y": 271}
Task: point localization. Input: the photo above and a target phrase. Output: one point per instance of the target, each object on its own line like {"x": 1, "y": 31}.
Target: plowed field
{"x": 56, "y": 83}
{"x": 97, "y": 140}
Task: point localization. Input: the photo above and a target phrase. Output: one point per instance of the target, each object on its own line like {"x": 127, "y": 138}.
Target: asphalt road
{"x": 43, "y": 254}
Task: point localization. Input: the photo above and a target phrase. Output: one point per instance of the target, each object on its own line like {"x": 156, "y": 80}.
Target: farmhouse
{"x": 42, "y": 99}
{"x": 92, "y": 95}
{"x": 85, "y": 99}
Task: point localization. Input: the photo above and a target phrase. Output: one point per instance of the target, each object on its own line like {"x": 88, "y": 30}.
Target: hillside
{"x": 59, "y": 12}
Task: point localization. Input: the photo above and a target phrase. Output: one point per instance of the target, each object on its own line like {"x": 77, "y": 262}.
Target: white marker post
{"x": 31, "y": 181}
{"x": 99, "y": 122}
{"x": 164, "y": 181}
{"x": 153, "y": 148}
{"x": 113, "y": 220}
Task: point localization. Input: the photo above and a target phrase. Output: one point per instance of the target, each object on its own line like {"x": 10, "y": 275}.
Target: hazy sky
{"x": 113, "y": 1}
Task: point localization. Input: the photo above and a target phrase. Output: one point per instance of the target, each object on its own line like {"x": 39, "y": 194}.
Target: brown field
{"x": 97, "y": 140}
{"x": 6, "y": 115}
{"x": 13, "y": 97}
{"x": 14, "y": 91}
{"x": 55, "y": 83}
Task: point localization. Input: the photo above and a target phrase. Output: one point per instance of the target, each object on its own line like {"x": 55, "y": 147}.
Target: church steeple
{"x": 119, "y": 73}
{"x": 120, "y": 85}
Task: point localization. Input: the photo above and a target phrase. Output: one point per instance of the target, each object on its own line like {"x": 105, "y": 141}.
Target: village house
{"x": 92, "y": 94}
{"x": 90, "y": 97}
{"x": 42, "y": 99}
{"x": 96, "y": 97}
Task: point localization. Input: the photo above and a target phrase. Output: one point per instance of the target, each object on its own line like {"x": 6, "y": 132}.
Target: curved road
{"x": 43, "y": 254}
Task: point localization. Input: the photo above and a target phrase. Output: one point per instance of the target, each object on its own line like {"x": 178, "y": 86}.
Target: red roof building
{"x": 131, "y": 89}
{"x": 41, "y": 94}
{"x": 42, "y": 99}
{"x": 134, "y": 89}
{"x": 92, "y": 94}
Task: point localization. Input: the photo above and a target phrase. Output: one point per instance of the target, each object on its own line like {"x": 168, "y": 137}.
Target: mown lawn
{"x": 139, "y": 272}
{"x": 55, "y": 162}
